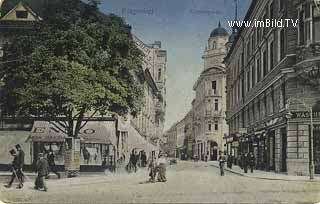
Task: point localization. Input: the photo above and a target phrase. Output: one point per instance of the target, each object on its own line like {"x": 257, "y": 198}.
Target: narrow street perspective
{"x": 159, "y": 101}
{"x": 188, "y": 182}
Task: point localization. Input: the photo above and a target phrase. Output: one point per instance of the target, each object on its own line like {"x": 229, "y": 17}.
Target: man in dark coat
{"x": 20, "y": 162}
{"x": 251, "y": 161}
{"x": 14, "y": 168}
{"x": 245, "y": 163}
{"x": 222, "y": 160}
{"x": 42, "y": 169}
{"x": 52, "y": 165}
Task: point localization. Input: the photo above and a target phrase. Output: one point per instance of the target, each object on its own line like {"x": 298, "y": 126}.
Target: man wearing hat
{"x": 42, "y": 169}
{"x": 20, "y": 161}
{"x": 14, "y": 169}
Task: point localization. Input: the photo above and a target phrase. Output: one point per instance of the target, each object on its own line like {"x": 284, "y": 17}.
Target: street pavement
{"x": 270, "y": 175}
{"x": 188, "y": 182}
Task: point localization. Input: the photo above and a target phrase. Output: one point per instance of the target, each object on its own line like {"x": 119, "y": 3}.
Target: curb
{"x": 265, "y": 178}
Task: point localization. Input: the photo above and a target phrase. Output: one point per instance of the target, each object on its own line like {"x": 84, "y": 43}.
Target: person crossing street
{"x": 52, "y": 165}
{"x": 222, "y": 160}
{"x": 16, "y": 174}
{"x": 42, "y": 169}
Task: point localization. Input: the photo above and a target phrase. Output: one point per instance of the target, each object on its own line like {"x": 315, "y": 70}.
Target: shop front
{"x": 94, "y": 150}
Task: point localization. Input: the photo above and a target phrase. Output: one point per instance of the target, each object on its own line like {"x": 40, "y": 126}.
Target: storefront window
{"x": 316, "y": 25}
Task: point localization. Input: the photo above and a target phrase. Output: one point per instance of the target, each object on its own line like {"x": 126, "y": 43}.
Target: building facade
{"x": 204, "y": 126}
{"x": 209, "y": 106}
{"x": 142, "y": 132}
{"x": 272, "y": 85}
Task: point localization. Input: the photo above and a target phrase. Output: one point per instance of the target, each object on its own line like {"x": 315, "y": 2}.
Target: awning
{"x": 95, "y": 132}
{"x": 45, "y": 131}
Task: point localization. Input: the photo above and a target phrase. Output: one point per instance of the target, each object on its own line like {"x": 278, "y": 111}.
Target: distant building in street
{"x": 209, "y": 106}
{"x": 272, "y": 84}
{"x": 205, "y": 124}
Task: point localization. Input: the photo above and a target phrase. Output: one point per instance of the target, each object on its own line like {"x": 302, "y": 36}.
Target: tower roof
{"x": 219, "y": 32}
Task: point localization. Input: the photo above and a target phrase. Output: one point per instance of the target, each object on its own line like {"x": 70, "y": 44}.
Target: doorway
{"x": 283, "y": 134}
{"x": 213, "y": 151}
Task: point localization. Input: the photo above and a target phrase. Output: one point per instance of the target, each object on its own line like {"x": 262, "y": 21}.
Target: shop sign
{"x": 305, "y": 114}
{"x": 235, "y": 144}
{"x": 243, "y": 130}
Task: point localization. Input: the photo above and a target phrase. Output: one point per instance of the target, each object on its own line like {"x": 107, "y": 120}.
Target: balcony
{"x": 212, "y": 114}
{"x": 212, "y": 92}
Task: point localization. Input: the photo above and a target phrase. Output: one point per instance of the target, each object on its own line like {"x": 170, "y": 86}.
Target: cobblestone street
{"x": 187, "y": 183}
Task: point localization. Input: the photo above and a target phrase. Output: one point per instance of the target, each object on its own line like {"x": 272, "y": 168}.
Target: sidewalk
{"x": 264, "y": 174}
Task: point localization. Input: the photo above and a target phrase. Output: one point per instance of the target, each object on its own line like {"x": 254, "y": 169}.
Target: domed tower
{"x": 216, "y": 50}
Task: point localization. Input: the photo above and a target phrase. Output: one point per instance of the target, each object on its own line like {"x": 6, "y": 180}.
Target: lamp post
{"x": 311, "y": 163}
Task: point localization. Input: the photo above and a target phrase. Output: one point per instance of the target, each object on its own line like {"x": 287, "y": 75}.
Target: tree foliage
{"x": 77, "y": 61}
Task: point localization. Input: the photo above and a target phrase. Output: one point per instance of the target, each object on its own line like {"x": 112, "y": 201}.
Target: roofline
{"x": 247, "y": 16}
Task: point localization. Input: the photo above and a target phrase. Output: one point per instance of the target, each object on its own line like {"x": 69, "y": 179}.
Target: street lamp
{"x": 311, "y": 164}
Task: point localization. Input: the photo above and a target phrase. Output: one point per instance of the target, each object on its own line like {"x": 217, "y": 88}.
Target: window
{"x": 159, "y": 74}
{"x": 248, "y": 81}
{"x": 316, "y": 24}
{"x": 282, "y": 40}
{"x": 258, "y": 70}
{"x": 271, "y": 53}
{"x": 214, "y": 85}
{"x": 216, "y": 104}
{"x": 258, "y": 109}
{"x": 272, "y": 102}
{"x": 21, "y": 14}
{"x": 265, "y": 106}
{"x": 283, "y": 95}
{"x": 253, "y": 42}
{"x": 281, "y": 4}
{"x": 209, "y": 126}
{"x": 271, "y": 13}
{"x": 301, "y": 27}
{"x": 258, "y": 35}
{"x": 216, "y": 125}
{"x": 253, "y": 73}
{"x": 264, "y": 63}
{"x": 242, "y": 86}
{"x": 248, "y": 51}
{"x": 253, "y": 112}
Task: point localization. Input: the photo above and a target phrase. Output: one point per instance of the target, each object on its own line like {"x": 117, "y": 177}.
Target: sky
{"x": 183, "y": 27}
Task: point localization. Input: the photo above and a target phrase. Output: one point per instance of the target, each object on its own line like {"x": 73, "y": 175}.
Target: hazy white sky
{"x": 183, "y": 27}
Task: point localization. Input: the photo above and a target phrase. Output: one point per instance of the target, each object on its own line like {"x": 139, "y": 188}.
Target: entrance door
{"x": 283, "y": 149}
{"x": 213, "y": 151}
{"x": 316, "y": 150}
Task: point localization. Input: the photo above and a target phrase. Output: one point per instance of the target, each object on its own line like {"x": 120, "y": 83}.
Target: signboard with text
{"x": 305, "y": 114}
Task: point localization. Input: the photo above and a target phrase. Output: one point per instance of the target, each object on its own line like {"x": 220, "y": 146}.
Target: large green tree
{"x": 76, "y": 61}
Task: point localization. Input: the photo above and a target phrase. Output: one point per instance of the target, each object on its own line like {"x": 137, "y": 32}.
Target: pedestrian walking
{"x": 153, "y": 169}
{"x": 245, "y": 163}
{"x": 222, "y": 159}
{"x": 14, "y": 168}
{"x": 161, "y": 165}
{"x": 251, "y": 161}
{"x": 52, "y": 165}
{"x": 20, "y": 161}
{"x": 133, "y": 161}
{"x": 143, "y": 159}
{"x": 42, "y": 169}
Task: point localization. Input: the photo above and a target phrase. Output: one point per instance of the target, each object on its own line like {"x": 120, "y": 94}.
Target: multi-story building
{"x": 272, "y": 84}
{"x": 209, "y": 106}
{"x": 126, "y": 134}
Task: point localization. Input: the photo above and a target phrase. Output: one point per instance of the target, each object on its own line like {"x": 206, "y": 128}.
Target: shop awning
{"x": 95, "y": 132}
{"x": 45, "y": 131}
{"x": 99, "y": 132}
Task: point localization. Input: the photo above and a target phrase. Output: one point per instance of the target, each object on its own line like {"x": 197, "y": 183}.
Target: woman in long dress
{"x": 161, "y": 164}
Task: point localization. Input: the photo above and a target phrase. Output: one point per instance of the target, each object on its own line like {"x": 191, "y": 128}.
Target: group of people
{"x": 44, "y": 165}
{"x": 156, "y": 166}
{"x": 246, "y": 160}
{"x": 136, "y": 160}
